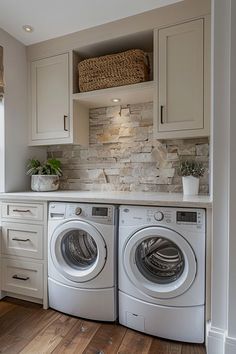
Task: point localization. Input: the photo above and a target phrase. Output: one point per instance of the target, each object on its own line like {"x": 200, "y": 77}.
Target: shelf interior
{"x": 129, "y": 94}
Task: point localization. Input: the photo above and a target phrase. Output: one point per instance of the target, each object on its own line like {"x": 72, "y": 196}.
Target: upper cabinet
{"x": 54, "y": 117}
{"x": 178, "y": 84}
{"x": 181, "y": 108}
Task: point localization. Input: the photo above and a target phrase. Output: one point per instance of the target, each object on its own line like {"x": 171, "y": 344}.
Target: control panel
{"x": 163, "y": 216}
{"x": 103, "y": 214}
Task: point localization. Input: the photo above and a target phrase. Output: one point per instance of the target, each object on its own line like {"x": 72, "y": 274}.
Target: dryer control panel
{"x": 185, "y": 218}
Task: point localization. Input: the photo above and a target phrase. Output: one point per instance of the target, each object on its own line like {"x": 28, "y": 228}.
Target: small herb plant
{"x": 191, "y": 168}
{"x": 49, "y": 167}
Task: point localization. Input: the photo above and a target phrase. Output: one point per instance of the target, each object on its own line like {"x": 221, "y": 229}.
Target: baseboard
{"x": 21, "y": 297}
{"x": 230, "y": 345}
{"x": 215, "y": 341}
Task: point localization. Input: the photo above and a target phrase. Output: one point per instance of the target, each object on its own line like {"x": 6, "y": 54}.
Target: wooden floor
{"x": 27, "y": 328}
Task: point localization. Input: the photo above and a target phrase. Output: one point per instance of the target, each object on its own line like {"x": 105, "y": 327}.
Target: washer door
{"x": 159, "y": 262}
{"x": 78, "y": 251}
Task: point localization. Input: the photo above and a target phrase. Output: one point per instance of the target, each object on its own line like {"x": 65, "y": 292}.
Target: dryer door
{"x": 159, "y": 262}
{"x": 78, "y": 251}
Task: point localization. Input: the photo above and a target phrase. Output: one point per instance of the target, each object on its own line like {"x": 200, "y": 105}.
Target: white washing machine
{"x": 82, "y": 260}
{"x": 162, "y": 271}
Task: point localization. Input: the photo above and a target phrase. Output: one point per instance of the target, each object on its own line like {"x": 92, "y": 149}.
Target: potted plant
{"x": 191, "y": 171}
{"x": 44, "y": 176}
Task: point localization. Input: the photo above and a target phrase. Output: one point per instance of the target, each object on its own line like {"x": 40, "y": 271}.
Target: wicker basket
{"x": 120, "y": 69}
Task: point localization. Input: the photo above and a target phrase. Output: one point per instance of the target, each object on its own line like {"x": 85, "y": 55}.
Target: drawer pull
{"x": 20, "y": 277}
{"x": 21, "y": 211}
{"x": 21, "y": 239}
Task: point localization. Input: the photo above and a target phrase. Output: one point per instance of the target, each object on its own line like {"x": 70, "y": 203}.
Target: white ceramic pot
{"x": 44, "y": 183}
{"x": 190, "y": 185}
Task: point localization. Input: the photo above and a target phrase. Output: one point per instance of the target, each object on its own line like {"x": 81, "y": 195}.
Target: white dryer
{"x": 162, "y": 271}
{"x": 82, "y": 260}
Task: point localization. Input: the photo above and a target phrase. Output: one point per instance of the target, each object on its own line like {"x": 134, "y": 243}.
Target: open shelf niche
{"x": 128, "y": 94}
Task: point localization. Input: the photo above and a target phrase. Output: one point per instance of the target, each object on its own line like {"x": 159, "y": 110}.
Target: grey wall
{"x": 14, "y": 151}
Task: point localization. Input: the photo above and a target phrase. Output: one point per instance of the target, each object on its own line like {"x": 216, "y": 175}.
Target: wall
{"x": 221, "y": 337}
{"x": 123, "y": 155}
{"x": 13, "y": 121}
{"x": 164, "y": 16}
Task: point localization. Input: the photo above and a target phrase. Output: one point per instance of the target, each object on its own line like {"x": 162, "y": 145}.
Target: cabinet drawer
{"x": 22, "y": 240}
{"x": 22, "y": 211}
{"x": 20, "y": 277}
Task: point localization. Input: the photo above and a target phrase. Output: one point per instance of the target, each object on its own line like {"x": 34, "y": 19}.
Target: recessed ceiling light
{"x": 28, "y": 28}
{"x": 115, "y": 100}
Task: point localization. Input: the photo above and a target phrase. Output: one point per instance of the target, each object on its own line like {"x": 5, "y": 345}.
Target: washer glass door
{"x": 78, "y": 251}
{"x": 160, "y": 262}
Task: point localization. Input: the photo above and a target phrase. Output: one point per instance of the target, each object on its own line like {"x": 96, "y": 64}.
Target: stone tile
{"x": 202, "y": 149}
{"x": 123, "y": 155}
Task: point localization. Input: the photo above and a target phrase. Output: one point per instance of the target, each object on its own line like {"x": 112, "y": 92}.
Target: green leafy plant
{"x": 191, "y": 168}
{"x": 49, "y": 167}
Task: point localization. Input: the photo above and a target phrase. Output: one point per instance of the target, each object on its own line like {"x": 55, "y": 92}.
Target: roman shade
{"x": 1, "y": 72}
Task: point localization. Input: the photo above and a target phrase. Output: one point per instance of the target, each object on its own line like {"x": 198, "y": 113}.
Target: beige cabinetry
{"x": 179, "y": 83}
{"x": 54, "y": 119}
{"x": 24, "y": 250}
{"x": 182, "y": 76}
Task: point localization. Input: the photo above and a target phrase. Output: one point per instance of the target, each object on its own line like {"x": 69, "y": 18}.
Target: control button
{"x": 78, "y": 211}
{"x": 159, "y": 216}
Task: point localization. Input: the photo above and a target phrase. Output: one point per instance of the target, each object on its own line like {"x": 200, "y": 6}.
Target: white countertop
{"x": 108, "y": 197}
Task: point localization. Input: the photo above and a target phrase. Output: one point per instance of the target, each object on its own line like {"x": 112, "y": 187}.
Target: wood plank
{"x": 193, "y": 349}
{"x": 135, "y": 342}
{"x": 27, "y": 328}
{"x": 160, "y": 346}
{"x": 48, "y": 339}
{"x": 78, "y": 338}
{"x": 106, "y": 340}
{"x": 40, "y": 319}
{"x": 5, "y": 307}
{"x": 13, "y": 318}
{"x": 11, "y": 344}
{"x": 22, "y": 303}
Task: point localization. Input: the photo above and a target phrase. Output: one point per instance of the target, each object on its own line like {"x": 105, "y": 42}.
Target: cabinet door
{"x": 181, "y": 74}
{"x": 50, "y": 98}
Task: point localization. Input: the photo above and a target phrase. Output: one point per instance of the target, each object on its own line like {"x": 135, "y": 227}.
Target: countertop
{"x": 108, "y": 197}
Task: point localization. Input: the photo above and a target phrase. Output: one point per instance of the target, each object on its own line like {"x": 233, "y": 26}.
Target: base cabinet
{"x": 24, "y": 251}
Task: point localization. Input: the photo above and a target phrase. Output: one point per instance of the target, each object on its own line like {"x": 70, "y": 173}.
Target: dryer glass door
{"x": 78, "y": 251}
{"x": 159, "y": 262}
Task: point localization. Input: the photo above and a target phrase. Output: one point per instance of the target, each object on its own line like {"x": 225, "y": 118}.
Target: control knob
{"x": 159, "y": 216}
{"x": 78, "y": 211}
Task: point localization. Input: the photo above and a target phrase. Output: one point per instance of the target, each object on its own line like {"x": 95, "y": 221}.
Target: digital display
{"x": 186, "y": 216}
{"x": 99, "y": 211}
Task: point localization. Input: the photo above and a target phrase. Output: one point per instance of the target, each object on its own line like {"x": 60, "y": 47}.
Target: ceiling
{"x": 54, "y": 18}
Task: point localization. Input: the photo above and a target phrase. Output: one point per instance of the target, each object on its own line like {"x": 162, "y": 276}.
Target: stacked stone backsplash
{"x": 123, "y": 155}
